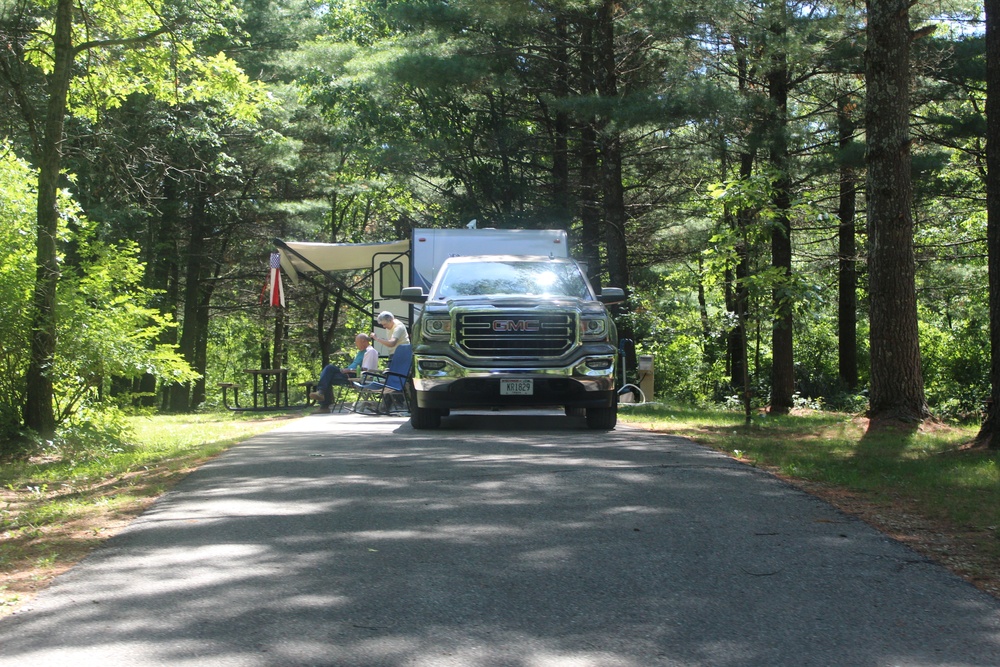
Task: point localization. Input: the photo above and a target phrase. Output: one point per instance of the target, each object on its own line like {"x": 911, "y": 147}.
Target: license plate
{"x": 517, "y": 387}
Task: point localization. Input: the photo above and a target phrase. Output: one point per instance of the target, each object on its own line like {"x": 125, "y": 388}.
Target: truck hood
{"x": 519, "y": 302}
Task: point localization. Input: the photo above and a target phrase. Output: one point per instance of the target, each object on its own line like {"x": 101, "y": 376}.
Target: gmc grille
{"x": 516, "y": 334}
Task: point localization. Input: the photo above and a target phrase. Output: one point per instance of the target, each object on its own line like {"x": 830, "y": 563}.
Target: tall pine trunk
{"x": 194, "y": 322}
{"x": 989, "y": 432}
{"x": 39, "y": 414}
{"x": 590, "y": 207}
{"x": 561, "y": 196}
{"x": 847, "y": 273}
{"x": 738, "y": 297}
{"x": 611, "y": 151}
{"x": 897, "y": 388}
{"x": 737, "y": 276}
{"x": 782, "y": 355}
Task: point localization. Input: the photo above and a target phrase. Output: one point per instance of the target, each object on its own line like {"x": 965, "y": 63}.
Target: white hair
{"x": 385, "y": 316}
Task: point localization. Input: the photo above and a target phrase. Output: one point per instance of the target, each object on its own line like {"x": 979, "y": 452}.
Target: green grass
{"x": 55, "y": 508}
{"x": 926, "y": 472}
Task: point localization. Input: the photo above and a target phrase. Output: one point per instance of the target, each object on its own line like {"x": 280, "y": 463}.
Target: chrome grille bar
{"x": 516, "y": 333}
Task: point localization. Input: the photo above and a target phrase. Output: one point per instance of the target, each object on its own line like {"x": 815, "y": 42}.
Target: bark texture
{"x": 847, "y": 276}
{"x": 39, "y": 414}
{"x": 989, "y": 432}
{"x": 897, "y": 388}
{"x": 782, "y": 351}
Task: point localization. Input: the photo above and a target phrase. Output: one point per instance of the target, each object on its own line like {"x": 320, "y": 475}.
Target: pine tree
{"x": 897, "y": 389}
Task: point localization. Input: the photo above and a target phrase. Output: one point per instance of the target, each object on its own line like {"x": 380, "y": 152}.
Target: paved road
{"x": 504, "y": 540}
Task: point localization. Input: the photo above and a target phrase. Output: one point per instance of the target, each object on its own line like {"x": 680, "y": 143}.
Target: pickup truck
{"x": 502, "y": 331}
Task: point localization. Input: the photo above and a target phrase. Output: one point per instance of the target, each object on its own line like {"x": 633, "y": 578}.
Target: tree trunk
{"x": 897, "y": 389}
{"x": 847, "y": 274}
{"x": 562, "y": 200}
{"x": 590, "y": 208}
{"x": 782, "y": 351}
{"x": 199, "y": 361}
{"x": 989, "y": 432}
{"x": 279, "y": 339}
{"x": 737, "y": 278}
{"x": 611, "y": 152}
{"x": 39, "y": 414}
{"x": 160, "y": 256}
{"x": 708, "y": 352}
{"x": 738, "y": 297}
{"x": 192, "y": 323}
{"x": 782, "y": 354}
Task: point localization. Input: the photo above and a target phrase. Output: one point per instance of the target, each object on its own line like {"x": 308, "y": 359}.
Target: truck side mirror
{"x": 413, "y": 295}
{"x": 611, "y": 295}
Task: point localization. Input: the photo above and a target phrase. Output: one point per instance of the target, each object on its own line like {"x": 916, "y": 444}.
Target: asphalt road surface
{"x": 502, "y": 540}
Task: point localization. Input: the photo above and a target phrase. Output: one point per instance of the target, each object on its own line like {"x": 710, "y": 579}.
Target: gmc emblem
{"x": 516, "y": 325}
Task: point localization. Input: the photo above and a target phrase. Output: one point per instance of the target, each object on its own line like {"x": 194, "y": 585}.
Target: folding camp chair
{"x": 384, "y": 393}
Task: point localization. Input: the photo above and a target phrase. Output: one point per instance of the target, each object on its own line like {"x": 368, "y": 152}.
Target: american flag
{"x": 277, "y": 291}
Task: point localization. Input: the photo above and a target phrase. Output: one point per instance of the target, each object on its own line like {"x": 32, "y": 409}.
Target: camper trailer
{"x": 412, "y": 262}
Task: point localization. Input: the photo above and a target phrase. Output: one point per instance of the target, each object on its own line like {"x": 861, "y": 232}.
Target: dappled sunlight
{"x": 371, "y": 545}
{"x": 455, "y": 534}
{"x": 634, "y": 510}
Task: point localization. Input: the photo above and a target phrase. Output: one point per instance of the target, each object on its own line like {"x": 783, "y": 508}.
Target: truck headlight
{"x": 438, "y": 328}
{"x": 594, "y": 328}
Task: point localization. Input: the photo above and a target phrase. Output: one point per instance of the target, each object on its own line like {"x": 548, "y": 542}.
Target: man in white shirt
{"x": 366, "y": 359}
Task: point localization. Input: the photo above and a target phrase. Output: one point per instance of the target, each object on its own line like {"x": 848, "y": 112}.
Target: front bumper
{"x": 442, "y": 383}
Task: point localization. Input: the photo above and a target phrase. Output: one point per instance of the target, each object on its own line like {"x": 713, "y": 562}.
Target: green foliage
{"x": 94, "y": 431}
{"x": 151, "y": 48}
{"x": 17, "y": 204}
{"x": 687, "y": 366}
{"x": 234, "y": 343}
{"x": 107, "y": 327}
{"x": 681, "y": 370}
{"x": 19, "y": 280}
{"x": 955, "y": 378}
{"x": 361, "y": 22}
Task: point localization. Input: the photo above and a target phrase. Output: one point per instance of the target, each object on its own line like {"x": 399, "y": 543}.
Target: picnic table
{"x": 270, "y": 391}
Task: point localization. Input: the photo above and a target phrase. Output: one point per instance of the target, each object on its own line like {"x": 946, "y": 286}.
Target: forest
{"x": 795, "y": 195}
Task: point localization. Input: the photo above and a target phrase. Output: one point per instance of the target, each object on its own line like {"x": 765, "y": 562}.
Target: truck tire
{"x": 424, "y": 418}
{"x": 573, "y": 411}
{"x": 602, "y": 419}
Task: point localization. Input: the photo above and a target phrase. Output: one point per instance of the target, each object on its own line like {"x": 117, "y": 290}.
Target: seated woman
{"x": 366, "y": 359}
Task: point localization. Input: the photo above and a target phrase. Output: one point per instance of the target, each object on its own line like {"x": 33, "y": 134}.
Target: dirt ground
{"x": 32, "y": 556}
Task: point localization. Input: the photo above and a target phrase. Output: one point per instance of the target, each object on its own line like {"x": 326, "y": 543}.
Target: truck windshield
{"x": 512, "y": 278}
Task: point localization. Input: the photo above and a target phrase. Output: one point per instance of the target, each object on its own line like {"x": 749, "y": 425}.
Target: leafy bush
{"x": 93, "y": 432}
{"x": 955, "y": 357}
{"x": 107, "y": 328}
{"x": 16, "y": 282}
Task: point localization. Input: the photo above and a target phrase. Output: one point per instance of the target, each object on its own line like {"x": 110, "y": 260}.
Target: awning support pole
{"x": 345, "y": 289}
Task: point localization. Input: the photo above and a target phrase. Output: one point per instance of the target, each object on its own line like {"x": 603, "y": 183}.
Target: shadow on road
{"x": 500, "y": 540}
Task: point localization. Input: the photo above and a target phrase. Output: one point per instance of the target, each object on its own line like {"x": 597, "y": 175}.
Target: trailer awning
{"x": 299, "y": 258}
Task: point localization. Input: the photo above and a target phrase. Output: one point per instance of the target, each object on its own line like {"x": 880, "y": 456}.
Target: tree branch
{"x": 129, "y": 41}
